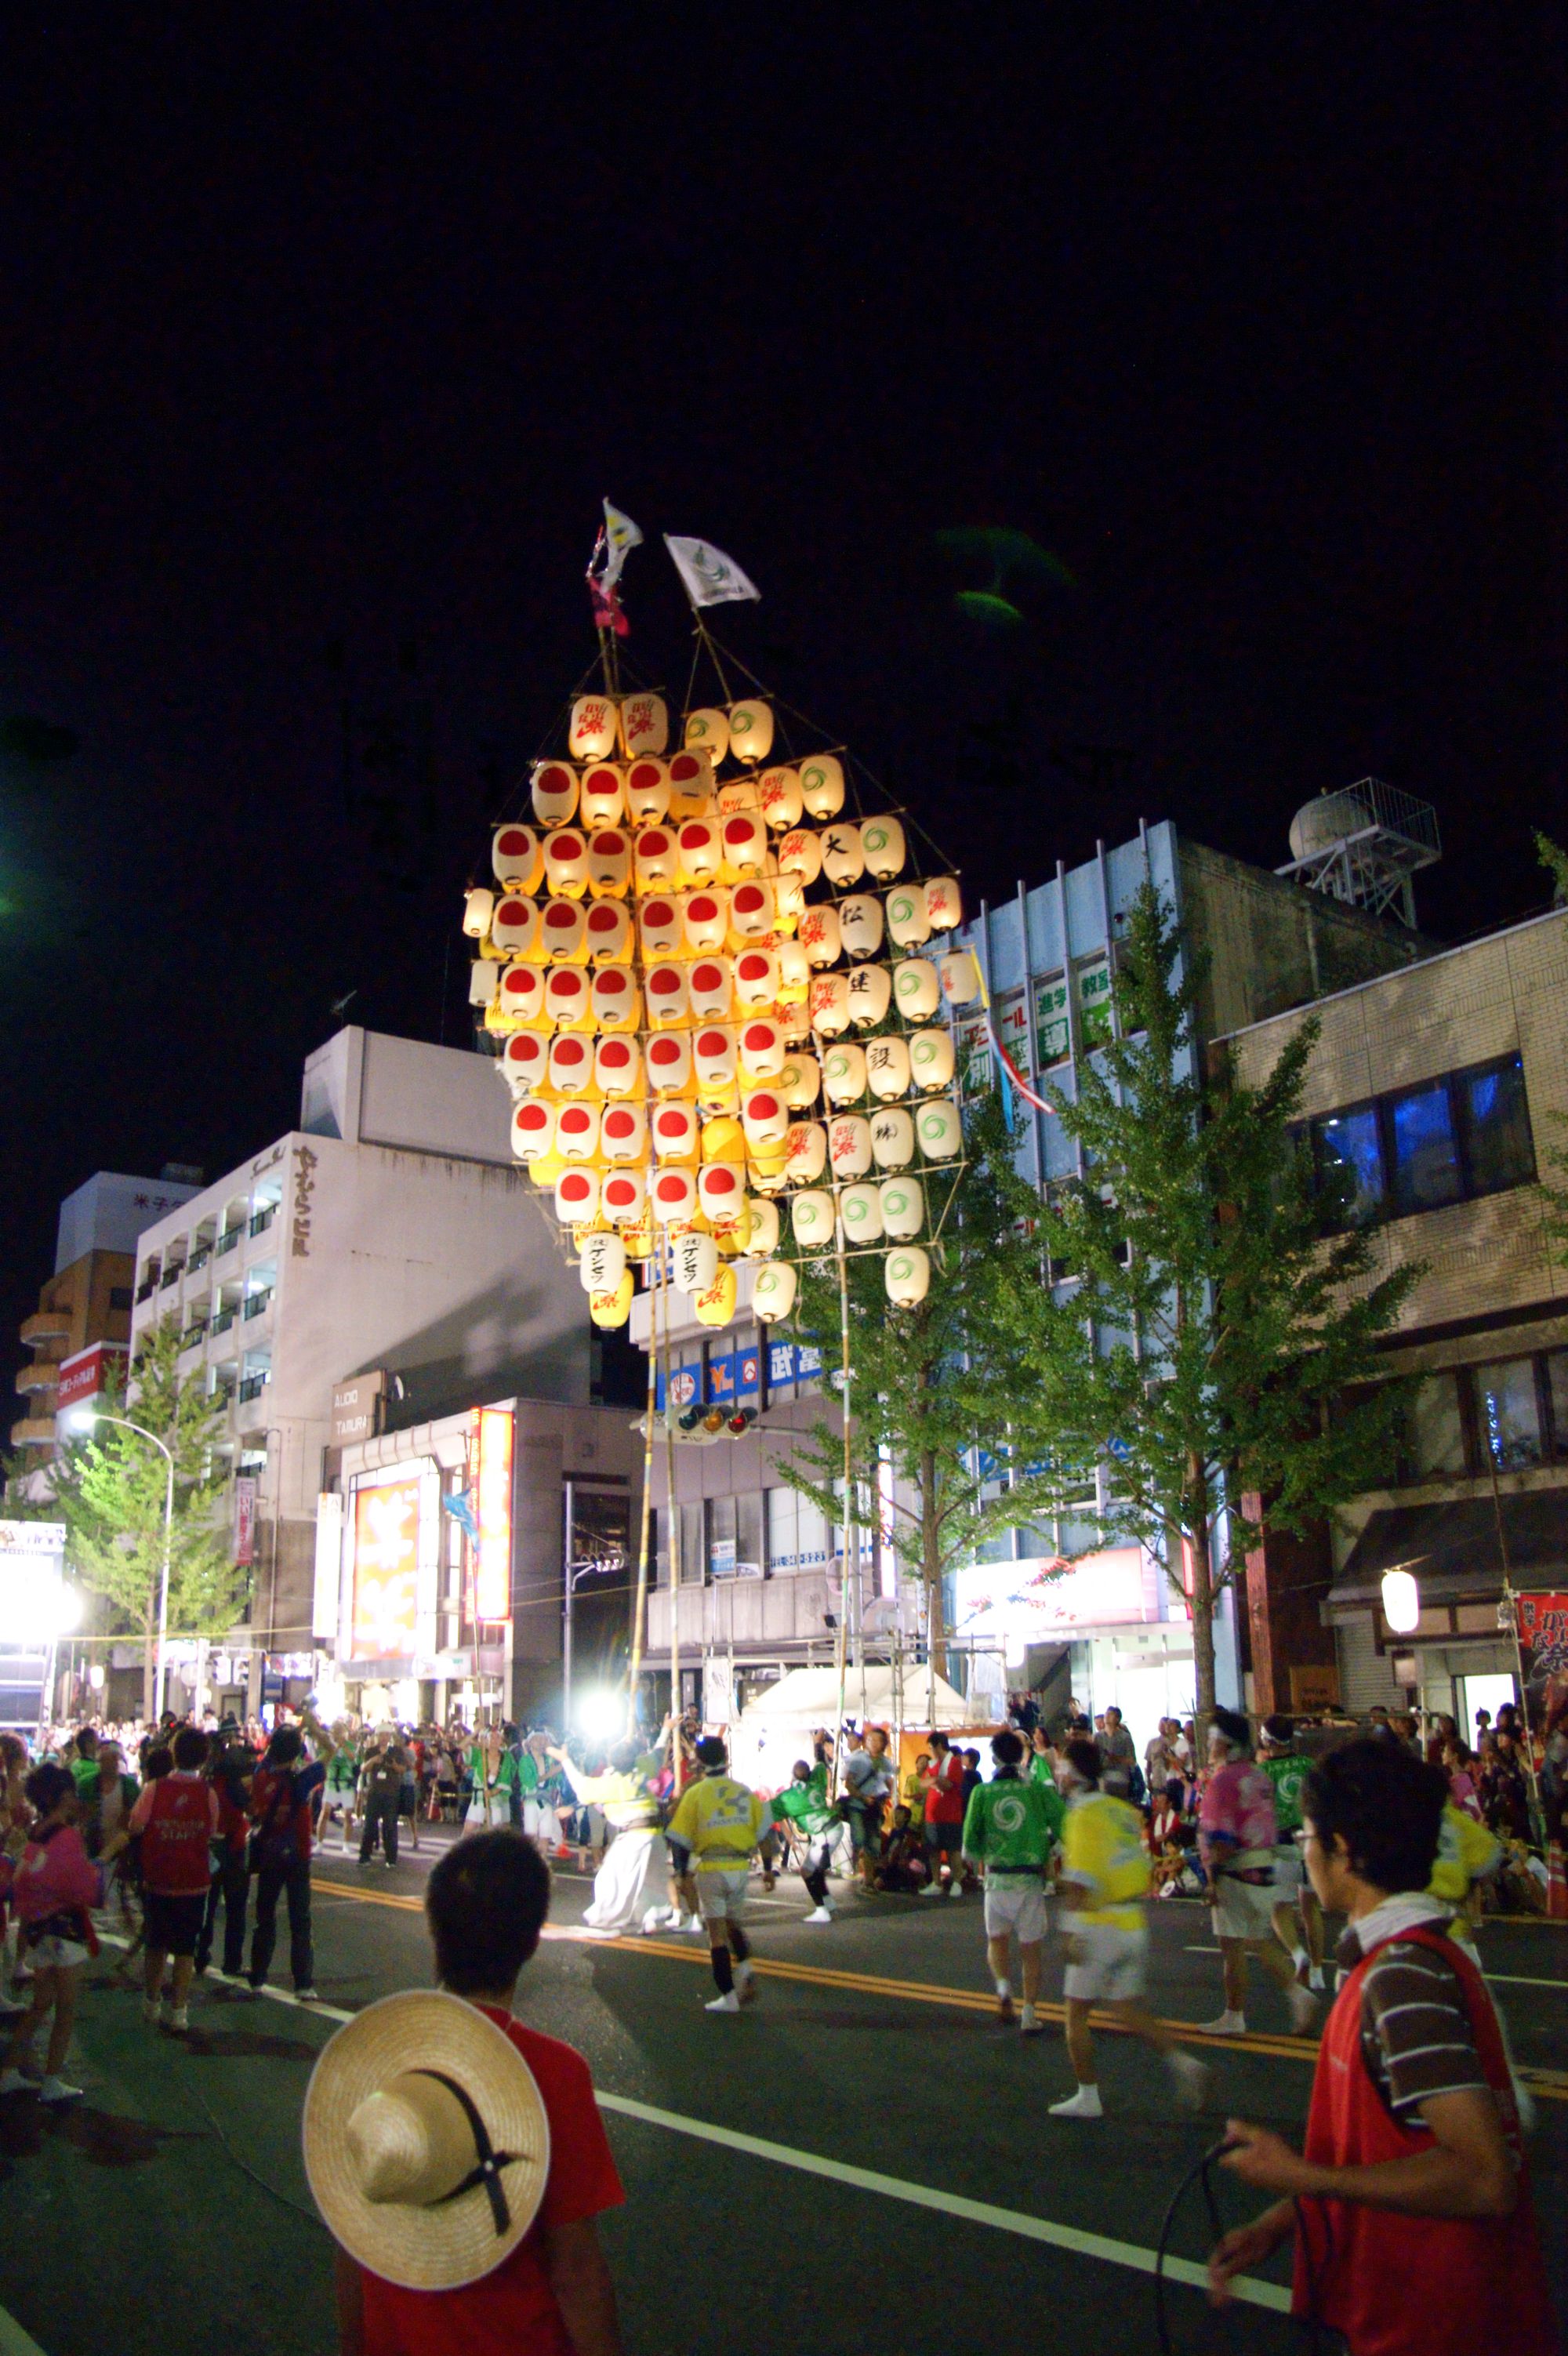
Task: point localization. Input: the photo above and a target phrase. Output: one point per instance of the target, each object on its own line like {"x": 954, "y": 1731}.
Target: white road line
{"x": 947, "y": 2203}
{"x": 14, "y": 2341}
{"x": 1503, "y": 1979}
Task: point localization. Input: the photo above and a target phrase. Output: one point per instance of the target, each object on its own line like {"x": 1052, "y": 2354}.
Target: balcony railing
{"x": 146, "y": 1292}
{"x": 46, "y": 1325}
{"x": 253, "y": 1387}
{"x": 227, "y": 1241}
{"x": 263, "y": 1219}
{"x": 259, "y": 1302}
{"x": 193, "y": 1333}
{"x": 200, "y": 1258}
{"x": 170, "y": 1276}
{"x": 224, "y": 1319}
{"x": 221, "y": 1393}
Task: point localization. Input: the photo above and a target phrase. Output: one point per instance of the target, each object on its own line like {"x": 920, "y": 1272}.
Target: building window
{"x": 1435, "y": 1430}
{"x": 1508, "y": 1412}
{"x": 1425, "y": 1154}
{"x": 1556, "y": 1372}
{"x": 693, "y": 1544}
{"x": 1449, "y": 1140}
{"x": 749, "y": 1558}
{"x": 797, "y": 1533}
{"x": 120, "y": 1299}
{"x": 1494, "y": 1123}
{"x": 1349, "y": 1162}
{"x": 721, "y": 1537}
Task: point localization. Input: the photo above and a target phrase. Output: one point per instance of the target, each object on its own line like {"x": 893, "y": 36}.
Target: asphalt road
{"x": 863, "y": 2160}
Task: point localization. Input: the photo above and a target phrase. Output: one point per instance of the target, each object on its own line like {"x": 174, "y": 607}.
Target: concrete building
{"x": 83, "y": 1316}
{"x": 1434, "y": 1098}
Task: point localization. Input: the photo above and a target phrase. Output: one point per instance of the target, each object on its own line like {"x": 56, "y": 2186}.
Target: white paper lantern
{"x": 881, "y": 841}
{"x": 623, "y": 1132}
{"x": 811, "y": 1217}
{"x": 860, "y": 924}
{"x": 751, "y": 730}
{"x": 571, "y": 1064}
{"x": 888, "y": 1068}
{"x": 721, "y": 1193}
{"x": 870, "y": 995}
{"x": 945, "y": 903}
{"x": 644, "y": 723}
{"x": 940, "y": 1129}
{"x": 738, "y": 798}
{"x": 606, "y": 934}
{"x": 960, "y": 975}
{"x": 564, "y": 932}
{"x": 617, "y": 1065}
{"x": 714, "y": 1053}
{"x": 601, "y": 797}
{"x": 773, "y": 1294}
{"x": 577, "y": 1132}
{"x": 828, "y": 1004}
{"x": 705, "y": 919}
{"x": 806, "y": 1151}
{"x": 672, "y": 1196}
{"x": 614, "y": 999}
{"x": 800, "y": 1081}
{"x": 576, "y": 1196}
{"x": 568, "y": 1000}
{"x": 647, "y": 791}
{"x": 916, "y": 992}
{"x": 623, "y": 1196}
{"x": 744, "y": 847}
{"x": 707, "y": 731}
{"x": 668, "y": 1060}
{"x": 779, "y": 797}
{"x": 691, "y": 784}
{"x": 484, "y": 982}
{"x": 591, "y": 733}
{"x": 525, "y": 1060}
{"x": 676, "y": 1135}
{"x": 554, "y": 793}
{"x": 762, "y": 1048}
{"x": 656, "y": 858}
{"x": 903, "y": 1208}
{"x": 761, "y": 1227}
{"x": 711, "y": 988}
{"x": 906, "y": 1273}
{"x": 765, "y": 1117}
{"x": 701, "y": 849}
{"x": 892, "y": 1139}
{"x": 844, "y": 1074}
{"x": 849, "y": 1145}
{"x": 659, "y": 923}
{"x": 859, "y": 1209}
{"x": 800, "y": 853}
{"x": 844, "y": 861}
{"x": 755, "y": 977}
{"x": 517, "y": 858}
{"x": 751, "y": 908}
{"x": 907, "y": 922}
{"x": 694, "y": 1261}
{"x": 821, "y": 784}
{"x": 479, "y": 908}
{"x": 532, "y": 1130}
{"x": 609, "y": 863}
{"x": 667, "y": 992}
{"x": 794, "y": 973}
{"x": 820, "y": 938}
{"x": 514, "y": 927}
{"x": 601, "y": 1263}
{"x": 931, "y": 1059}
{"x": 522, "y": 992}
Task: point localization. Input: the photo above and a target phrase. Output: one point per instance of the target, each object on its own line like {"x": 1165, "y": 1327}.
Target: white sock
{"x": 1003, "y": 1987}
{"x": 1083, "y": 2104}
{"x": 1299, "y": 1956}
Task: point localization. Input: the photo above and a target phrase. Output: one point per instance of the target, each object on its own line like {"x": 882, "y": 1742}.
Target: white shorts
{"x": 721, "y": 1895}
{"x": 1289, "y": 1871}
{"x": 1106, "y": 1965}
{"x": 1017, "y": 1904}
{"x": 54, "y": 1954}
{"x": 539, "y": 1824}
{"x": 1245, "y": 1909}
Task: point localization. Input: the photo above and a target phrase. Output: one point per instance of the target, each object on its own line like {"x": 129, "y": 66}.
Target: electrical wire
{"x": 255, "y": 2174}
{"x": 1312, "y": 2321}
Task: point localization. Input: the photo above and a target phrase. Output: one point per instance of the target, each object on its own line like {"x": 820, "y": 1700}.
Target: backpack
{"x": 274, "y": 1845}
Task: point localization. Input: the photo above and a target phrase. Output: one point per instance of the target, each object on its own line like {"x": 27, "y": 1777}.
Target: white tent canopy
{"x": 810, "y": 1697}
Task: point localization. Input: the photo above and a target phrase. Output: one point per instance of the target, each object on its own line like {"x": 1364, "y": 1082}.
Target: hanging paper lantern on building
{"x": 617, "y": 1065}
{"x": 623, "y": 1133}
{"x": 609, "y": 863}
{"x": 940, "y": 1129}
{"x": 892, "y": 1139}
{"x": 478, "y": 909}
{"x": 888, "y": 1068}
{"x": 870, "y": 995}
{"x": 903, "y": 1204}
{"x": 668, "y": 994}
{"x": 907, "y": 922}
{"x": 601, "y": 1263}
{"x": 821, "y": 784}
{"x": 668, "y": 1062}
{"x": 716, "y": 1305}
{"x": 812, "y": 1218}
{"x": 860, "y": 1208}
{"x": 908, "y": 1276}
{"x": 931, "y": 1059}
{"x": 881, "y": 843}
{"x": 517, "y": 858}
{"x": 564, "y": 932}
{"x": 656, "y": 858}
{"x": 844, "y": 861}
{"x": 828, "y": 1004}
{"x": 554, "y": 793}
{"x": 844, "y": 1074}
{"x": 794, "y": 973}
{"x": 707, "y": 731}
{"x": 915, "y": 989}
{"x": 676, "y": 1134}
{"x": 577, "y": 1132}
{"x": 568, "y": 1000}
{"x": 738, "y": 798}
{"x": 606, "y": 934}
{"x": 576, "y": 1196}
{"x": 694, "y": 1261}
{"x": 773, "y": 1290}
{"x": 944, "y": 904}
{"x": 532, "y": 1130}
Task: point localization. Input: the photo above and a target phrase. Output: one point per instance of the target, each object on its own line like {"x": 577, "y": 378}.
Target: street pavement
{"x": 863, "y": 2160}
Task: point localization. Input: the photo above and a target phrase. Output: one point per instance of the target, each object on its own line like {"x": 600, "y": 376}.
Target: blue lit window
{"x": 1427, "y": 1172}
{"x": 1494, "y": 1119}
{"x": 1350, "y": 1162}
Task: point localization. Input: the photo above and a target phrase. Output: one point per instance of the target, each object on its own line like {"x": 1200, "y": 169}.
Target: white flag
{"x": 621, "y": 534}
{"x": 711, "y": 577}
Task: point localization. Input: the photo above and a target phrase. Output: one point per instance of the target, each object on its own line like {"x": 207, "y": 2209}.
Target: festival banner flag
{"x": 710, "y": 577}
{"x": 621, "y": 535}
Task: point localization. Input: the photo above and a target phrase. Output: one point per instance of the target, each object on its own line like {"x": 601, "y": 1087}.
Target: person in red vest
{"x": 177, "y": 1818}
{"x": 1410, "y": 2209}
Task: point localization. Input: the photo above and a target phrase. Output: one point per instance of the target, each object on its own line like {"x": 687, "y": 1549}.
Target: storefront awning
{"x": 1452, "y": 1548}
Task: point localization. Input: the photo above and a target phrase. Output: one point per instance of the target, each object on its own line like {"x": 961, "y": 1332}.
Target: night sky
{"x": 324, "y": 332}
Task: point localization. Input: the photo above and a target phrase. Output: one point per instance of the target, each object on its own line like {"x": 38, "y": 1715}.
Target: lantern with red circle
{"x": 577, "y": 1131}
{"x": 751, "y": 908}
{"x": 618, "y": 1064}
{"x": 765, "y": 1117}
{"x": 706, "y": 919}
{"x": 554, "y": 793}
{"x": 517, "y": 858}
{"x": 564, "y": 932}
{"x": 668, "y": 1060}
{"x": 701, "y": 849}
{"x": 609, "y": 863}
{"x": 647, "y": 791}
{"x": 711, "y": 986}
{"x": 614, "y": 997}
{"x": 691, "y": 784}
{"x": 623, "y": 1196}
{"x": 568, "y": 1001}
{"x": 601, "y": 797}
{"x": 676, "y": 1135}
{"x": 521, "y": 993}
{"x": 576, "y": 1196}
{"x": 607, "y": 933}
{"x": 566, "y": 863}
{"x": 623, "y": 1133}
{"x": 532, "y": 1130}
{"x": 721, "y": 1194}
{"x": 571, "y": 1065}
{"x": 656, "y": 856}
{"x": 668, "y": 994}
{"x": 743, "y": 847}
{"x": 755, "y": 977}
{"x": 659, "y": 921}
{"x": 714, "y": 1053}
{"x": 525, "y": 1062}
{"x": 762, "y": 1047}
{"x": 514, "y": 928}
{"x": 672, "y": 1196}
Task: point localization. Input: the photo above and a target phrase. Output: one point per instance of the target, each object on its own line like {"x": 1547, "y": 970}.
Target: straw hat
{"x": 426, "y": 2141}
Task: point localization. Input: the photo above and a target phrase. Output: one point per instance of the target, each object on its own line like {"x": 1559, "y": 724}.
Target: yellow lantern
{"x": 644, "y": 725}
{"x": 773, "y": 1292}
{"x": 610, "y": 1310}
{"x": 716, "y": 1305}
{"x": 751, "y": 730}
{"x": 821, "y": 784}
{"x": 554, "y": 793}
{"x": 517, "y": 859}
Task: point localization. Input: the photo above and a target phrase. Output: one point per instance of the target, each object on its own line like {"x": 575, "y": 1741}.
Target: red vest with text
{"x": 1395, "y": 2285}
{"x": 174, "y": 1840}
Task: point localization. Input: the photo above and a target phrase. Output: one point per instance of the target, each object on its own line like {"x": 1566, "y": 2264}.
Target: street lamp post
{"x": 87, "y": 1419}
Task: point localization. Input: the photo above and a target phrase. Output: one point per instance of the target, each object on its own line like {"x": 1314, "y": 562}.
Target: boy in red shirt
{"x": 944, "y": 1819}
{"x": 550, "y": 2292}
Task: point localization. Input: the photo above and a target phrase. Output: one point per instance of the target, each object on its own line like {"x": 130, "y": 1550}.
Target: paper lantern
{"x": 609, "y": 863}
{"x": 668, "y": 993}
{"x": 714, "y": 1053}
{"x": 820, "y": 937}
{"x": 517, "y": 858}
{"x": 672, "y": 1196}
{"x": 768, "y": 1174}
{"x": 870, "y": 995}
{"x": 576, "y": 1196}
{"x": 606, "y": 934}
{"x": 761, "y": 1227}
{"x": 888, "y": 1068}
{"x": 591, "y": 729}
{"x": 533, "y": 1129}
{"x": 601, "y": 795}
{"x": 881, "y": 841}
{"x": 931, "y": 1059}
{"x": 751, "y": 909}
{"x": 522, "y": 994}
{"x": 751, "y": 730}
{"x": 828, "y": 1004}
{"x": 479, "y": 907}
{"x": 903, "y": 1204}
{"x": 566, "y": 863}
{"x": 800, "y": 853}
{"x": 694, "y": 1261}
{"x": 915, "y": 991}
{"x": 484, "y": 980}
{"x": 568, "y": 1003}
{"x": 623, "y": 1133}
{"x": 799, "y": 1081}
{"x": 705, "y": 919}
{"x": 564, "y": 932}
{"x": 738, "y": 798}
{"x": 756, "y": 975}
{"x": 806, "y": 1151}
{"x": 554, "y": 793}
{"x": 656, "y": 857}
{"x": 779, "y": 795}
{"x": 644, "y": 725}
{"x": 721, "y": 1193}
{"x": 907, "y": 922}
{"x": 524, "y": 1062}
{"x": 906, "y": 1273}
{"x": 658, "y": 922}
{"x": 773, "y": 1292}
{"x": 514, "y": 928}
{"x": 794, "y": 973}
{"x": 577, "y": 1132}
{"x": 849, "y": 1145}
{"x": 765, "y": 1117}
{"x": 546, "y": 1170}
{"x": 811, "y": 1217}
{"x": 701, "y": 849}
{"x": 614, "y": 999}
{"x": 761, "y": 1047}
{"x": 716, "y": 1305}
{"x": 844, "y": 862}
{"x": 707, "y": 731}
{"x": 743, "y": 847}
{"x": 617, "y": 1065}
{"x": 647, "y": 791}
{"x": 610, "y": 1309}
{"x": 669, "y": 1061}
{"x": 711, "y": 988}
{"x": 844, "y": 1074}
{"x": 821, "y": 784}
{"x": 691, "y": 784}
{"x": 944, "y": 904}
{"x": 789, "y": 903}
{"x": 960, "y": 977}
{"x": 571, "y": 1064}
{"x": 940, "y": 1129}
{"x": 623, "y": 1196}
{"x": 860, "y": 1213}
{"x": 675, "y": 1133}
{"x": 860, "y": 924}
{"x": 892, "y": 1139}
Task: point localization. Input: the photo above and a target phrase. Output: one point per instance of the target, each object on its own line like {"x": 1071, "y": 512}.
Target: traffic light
{"x": 741, "y": 1420}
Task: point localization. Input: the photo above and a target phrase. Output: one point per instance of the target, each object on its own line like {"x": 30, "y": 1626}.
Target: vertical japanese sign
{"x": 244, "y": 1521}
{"x": 1095, "y": 1002}
{"x": 1053, "y": 1039}
{"x": 1543, "y": 1648}
{"x": 386, "y": 1568}
{"x": 971, "y": 1043}
{"x": 492, "y": 1562}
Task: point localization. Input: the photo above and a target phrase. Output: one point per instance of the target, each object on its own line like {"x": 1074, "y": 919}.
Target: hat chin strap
{"x": 490, "y": 2161}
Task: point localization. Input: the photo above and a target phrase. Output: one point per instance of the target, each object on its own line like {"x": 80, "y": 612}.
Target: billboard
{"x": 492, "y": 1558}
{"x": 244, "y": 1521}
{"x": 1543, "y": 1651}
{"x": 84, "y": 1375}
{"x": 386, "y": 1568}
{"x": 1041, "y": 1601}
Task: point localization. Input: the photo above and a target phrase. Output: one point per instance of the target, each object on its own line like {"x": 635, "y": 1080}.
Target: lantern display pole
{"x": 662, "y": 1326}
{"x": 1510, "y": 1604}
{"x": 639, "y": 1603}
